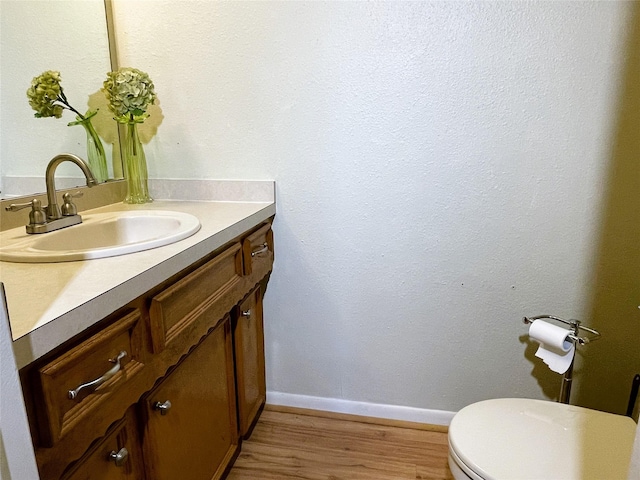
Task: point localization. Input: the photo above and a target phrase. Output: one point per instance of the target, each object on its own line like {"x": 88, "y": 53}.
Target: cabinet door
{"x": 249, "y": 350}
{"x": 116, "y": 457}
{"x": 190, "y": 418}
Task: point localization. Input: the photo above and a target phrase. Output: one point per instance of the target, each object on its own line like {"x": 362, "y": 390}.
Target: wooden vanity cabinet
{"x": 189, "y": 384}
{"x": 248, "y": 336}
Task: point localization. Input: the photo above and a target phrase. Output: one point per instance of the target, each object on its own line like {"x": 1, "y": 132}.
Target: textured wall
{"x": 615, "y": 294}
{"x": 17, "y": 460}
{"x": 440, "y": 171}
{"x": 634, "y": 469}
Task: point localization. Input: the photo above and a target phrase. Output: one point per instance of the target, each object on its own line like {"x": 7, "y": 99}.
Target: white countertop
{"x": 49, "y": 303}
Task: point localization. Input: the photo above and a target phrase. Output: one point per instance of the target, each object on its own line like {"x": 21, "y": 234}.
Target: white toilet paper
{"x": 556, "y": 350}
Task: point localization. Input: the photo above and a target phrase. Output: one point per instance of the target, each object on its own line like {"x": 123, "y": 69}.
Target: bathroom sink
{"x": 100, "y": 235}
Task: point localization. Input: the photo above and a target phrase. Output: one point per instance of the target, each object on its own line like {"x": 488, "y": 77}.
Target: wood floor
{"x": 303, "y": 444}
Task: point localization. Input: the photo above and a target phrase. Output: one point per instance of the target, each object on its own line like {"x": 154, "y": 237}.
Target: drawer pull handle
{"x": 263, "y": 249}
{"x": 73, "y": 394}
{"x": 246, "y": 313}
{"x": 164, "y": 407}
{"x": 119, "y": 457}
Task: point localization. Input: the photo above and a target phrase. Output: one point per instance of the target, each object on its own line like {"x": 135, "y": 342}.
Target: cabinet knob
{"x": 164, "y": 407}
{"x": 246, "y": 313}
{"x": 119, "y": 457}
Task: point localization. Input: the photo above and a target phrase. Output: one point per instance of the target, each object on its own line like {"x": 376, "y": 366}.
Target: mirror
{"x": 73, "y": 38}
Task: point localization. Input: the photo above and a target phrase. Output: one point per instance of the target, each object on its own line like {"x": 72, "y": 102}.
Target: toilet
{"x": 517, "y": 438}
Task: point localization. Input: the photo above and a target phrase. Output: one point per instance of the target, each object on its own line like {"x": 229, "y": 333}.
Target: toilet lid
{"x": 516, "y": 438}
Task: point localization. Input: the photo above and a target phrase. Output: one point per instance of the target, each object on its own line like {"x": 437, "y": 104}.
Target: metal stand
{"x": 567, "y": 378}
{"x": 565, "y": 386}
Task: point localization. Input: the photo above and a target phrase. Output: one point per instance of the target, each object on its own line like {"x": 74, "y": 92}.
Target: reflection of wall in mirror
{"x": 70, "y": 37}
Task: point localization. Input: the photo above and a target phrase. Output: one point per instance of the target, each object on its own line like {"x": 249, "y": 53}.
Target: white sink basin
{"x": 100, "y": 235}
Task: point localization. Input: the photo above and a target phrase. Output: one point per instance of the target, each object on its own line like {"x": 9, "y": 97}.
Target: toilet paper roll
{"x": 556, "y": 349}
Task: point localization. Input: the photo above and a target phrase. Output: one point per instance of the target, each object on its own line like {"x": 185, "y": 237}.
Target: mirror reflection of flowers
{"x": 129, "y": 92}
{"x": 46, "y": 96}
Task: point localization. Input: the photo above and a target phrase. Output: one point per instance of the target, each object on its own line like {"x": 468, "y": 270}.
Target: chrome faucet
{"x": 51, "y": 217}
{"x": 53, "y": 211}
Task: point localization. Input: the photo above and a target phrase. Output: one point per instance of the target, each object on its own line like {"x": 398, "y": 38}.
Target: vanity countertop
{"x": 50, "y": 303}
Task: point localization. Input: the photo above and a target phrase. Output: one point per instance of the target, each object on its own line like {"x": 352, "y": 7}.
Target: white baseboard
{"x": 377, "y": 410}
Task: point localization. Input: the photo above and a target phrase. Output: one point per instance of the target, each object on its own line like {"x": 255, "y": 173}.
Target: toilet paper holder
{"x": 567, "y": 379}
{"x": 575, "y": 326}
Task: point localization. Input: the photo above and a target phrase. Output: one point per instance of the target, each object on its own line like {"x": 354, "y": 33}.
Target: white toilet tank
{"x": 516, "y": 438}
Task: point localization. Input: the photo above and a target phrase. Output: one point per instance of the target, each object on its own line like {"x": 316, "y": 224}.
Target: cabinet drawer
{"x": 257, "y": 251}
{"x": 117, "y": 456}
{"x": 176, "y": 307}
{"x": 78, "y": 385}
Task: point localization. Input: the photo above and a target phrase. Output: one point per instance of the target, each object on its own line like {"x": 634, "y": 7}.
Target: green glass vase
{"x": 96, "y": 157}
{"x": 135, "y": 166}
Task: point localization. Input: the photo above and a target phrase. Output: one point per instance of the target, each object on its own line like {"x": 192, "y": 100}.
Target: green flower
{"x": 129, "y": 93}
{"x": 47, "y": 97}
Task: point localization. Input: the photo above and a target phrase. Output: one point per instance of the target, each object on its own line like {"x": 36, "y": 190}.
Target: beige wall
{"x": 608, "y": 366}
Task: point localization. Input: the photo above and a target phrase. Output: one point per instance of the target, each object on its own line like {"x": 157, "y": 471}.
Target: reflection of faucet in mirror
{"x": 43, "y": 220}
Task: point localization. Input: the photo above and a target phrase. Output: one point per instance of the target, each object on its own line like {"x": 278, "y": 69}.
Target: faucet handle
{"x": 37, "y": 216}
{"x": 68, "y": 207}
{"x": 14, "y": 207}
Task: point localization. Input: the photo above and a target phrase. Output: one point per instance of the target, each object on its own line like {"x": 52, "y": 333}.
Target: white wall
{"x": 440, "y": 171}
{"x": 17, "y": 460}
{"x": 634, "y": 469}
